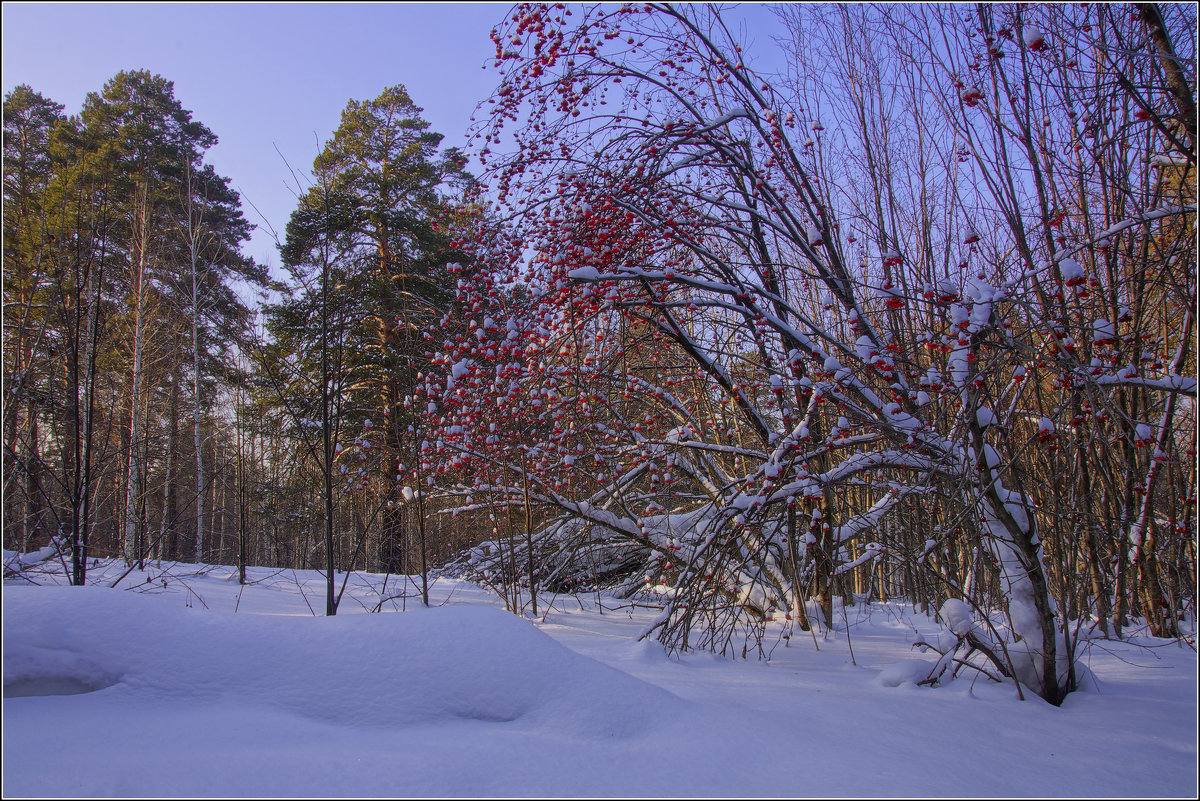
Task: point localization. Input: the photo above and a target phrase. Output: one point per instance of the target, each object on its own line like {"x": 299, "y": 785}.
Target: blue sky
{"x": 262, "y": 76}
{"x": 267, "y": 76}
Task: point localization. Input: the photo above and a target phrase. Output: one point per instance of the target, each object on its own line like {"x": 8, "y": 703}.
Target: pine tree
{"x": 29, "y": 123}
{"x": 369, "y": 241}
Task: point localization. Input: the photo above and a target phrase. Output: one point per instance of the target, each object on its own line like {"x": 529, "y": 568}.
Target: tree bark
{"x": 130, "y": 539}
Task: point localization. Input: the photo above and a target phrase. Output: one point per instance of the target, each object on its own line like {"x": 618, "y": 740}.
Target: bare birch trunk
{"x": 130, "y": 544}
{"x": 193, "y": 245}
{"x": 166, "y": 528}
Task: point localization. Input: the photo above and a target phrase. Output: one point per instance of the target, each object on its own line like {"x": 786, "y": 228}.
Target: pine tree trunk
{"x": 31, "y": 526}
{"x": 327, "y": 442}
{"x": 392, "y": 528}
{"x": 240, "y": 477}
{"x": 81, "y": 426}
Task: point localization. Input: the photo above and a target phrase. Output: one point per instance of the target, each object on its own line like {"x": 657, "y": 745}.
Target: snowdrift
{"x": 441, "y": 665}
{"x": 165, "y": 691}
{"x": 118, "y": 693}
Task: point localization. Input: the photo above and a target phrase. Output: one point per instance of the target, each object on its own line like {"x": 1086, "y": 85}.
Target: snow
{"x": 1128, "y": 375}
{"x": 1102, "y": 330}
{"x": 584, "y": 274}
{"x": 906, "y": 671}
{"x": 725, "y": 119}
{"x": 1156, "y": 214}
{"x": 461, "y": 368}
{"x": 957, "y": 617}
{"x": 1169, "y": 160}
{"x": 981, "y": 315}
{"x": 1071, "y": 270}
{"x": 680, "y": 434}
{"x": 957, "y": 365}
{"x": 214, "y": 689}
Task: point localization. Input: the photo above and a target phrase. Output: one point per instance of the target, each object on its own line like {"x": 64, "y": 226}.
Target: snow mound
{"x": 957, "y": 617}
{"x": 906, "y": 671}
{"x": 448, "y": 664}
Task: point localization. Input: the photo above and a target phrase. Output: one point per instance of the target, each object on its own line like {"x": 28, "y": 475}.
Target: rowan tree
{"x": 825, "y": 355}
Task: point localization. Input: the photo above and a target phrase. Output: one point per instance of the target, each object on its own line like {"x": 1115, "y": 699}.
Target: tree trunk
{"x": 529, "y": 538}
{"x": 165, "y": 544}
{"x": 132, "y": 488}
{"x": 392, "y": 528}
{"x": 240, "y": 474}
{"x": 31, "y": 526}
{"x": 193, "y": 245}
{"x": 798, "y": 600}
{"x": 327, "y": 442}
{"x": 82, "y": 440}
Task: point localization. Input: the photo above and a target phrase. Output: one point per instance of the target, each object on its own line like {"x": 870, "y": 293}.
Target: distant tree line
{"x": 121, "y": 323}
{"x": 155, "y": 406}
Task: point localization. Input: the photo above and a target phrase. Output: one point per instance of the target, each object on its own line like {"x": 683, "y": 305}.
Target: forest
{"x": 907, "y": 312}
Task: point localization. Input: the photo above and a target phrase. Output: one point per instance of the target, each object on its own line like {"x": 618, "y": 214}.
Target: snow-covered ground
{"x": 196, "y": 686}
